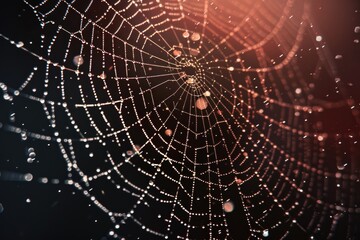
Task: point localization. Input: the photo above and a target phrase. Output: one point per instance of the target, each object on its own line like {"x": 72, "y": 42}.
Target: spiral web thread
{"x": 196, "y": 116}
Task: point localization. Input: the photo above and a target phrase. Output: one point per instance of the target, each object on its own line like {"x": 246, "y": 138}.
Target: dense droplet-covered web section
{"x": 191, "y": 119}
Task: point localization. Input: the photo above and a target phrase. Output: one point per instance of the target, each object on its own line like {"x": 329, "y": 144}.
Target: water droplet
{"x": 177, "y": 53}
{"x": 318, "y": 38}
{"x": 44, "y": 180}
{"x": 12, "y": 117}
{"x": 102, "y": 76}
{"x": 168, "y": 132}
{"x": 228, "y": 206}
{"x": 338, "y": 56}
{"x": 190, "y": 81}
{"x": 195, "y": 37}
{"x": 238, "y": 181}
{"x": 28, "y": 177}
{"x": 357, "y": 29}
{"x": 6, "y": 96}
{"x": 201, "y": 103}
{"x": 341, "y": 166}
{"x": 207, "y": 94}
{"x": 265, "y": 233}
{"x": 78, "y": 60}
{"x": 31, "y": 155}
{"x": 186, "y": 34}
{"x": 23, "y": 136}
{"x": 298, "y": 91}
{"x": 20, "y": 44}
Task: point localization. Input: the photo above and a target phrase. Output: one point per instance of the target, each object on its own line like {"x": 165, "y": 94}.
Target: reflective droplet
{"x": 186, "y": 34}
{"x": 190, "y": 81}
{"x": 265, "y": 233}
{"x": 341, "y": 166}
{"x": 177, "y": 53}
{"x": 318, "y": 38}
{"x": 201, "y": 103}
{"x": 338, "y": 56}
{"x": 28, "y": 177}
{"x": 12, "y": 117}
{"x": 207, "y": 94}
{"x": 357, "y": 29}
{"x": 168, "y": 132}
{"x": 195, "y": 37}
{"x": 231, "y": 69}
{"x": 238, "y": 181}
{"x": 228, "y": 206}
{"x": 20, "y": 44}
{"x": 23, "y": 136}
{"x": 7, "y": 97}
{"x": 78, "y": 60}
{"x": 102, "y": 76}
{"x": 44, "y": 180}
{"x": 32, "y": 154}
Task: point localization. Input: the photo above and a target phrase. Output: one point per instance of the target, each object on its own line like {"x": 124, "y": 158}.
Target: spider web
{"x": 198, "y": 119}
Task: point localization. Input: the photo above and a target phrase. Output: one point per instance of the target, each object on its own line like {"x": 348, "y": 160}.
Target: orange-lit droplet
{"x": 195, "y": 37}
{"x": 177, "y": 53}
{"x": 238, "y": 181}
{"x": 201, "y": 103}
{"x": 102, "y": 76}
{"x": 168, "y": 132}
{"x": 228, "y": 206}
